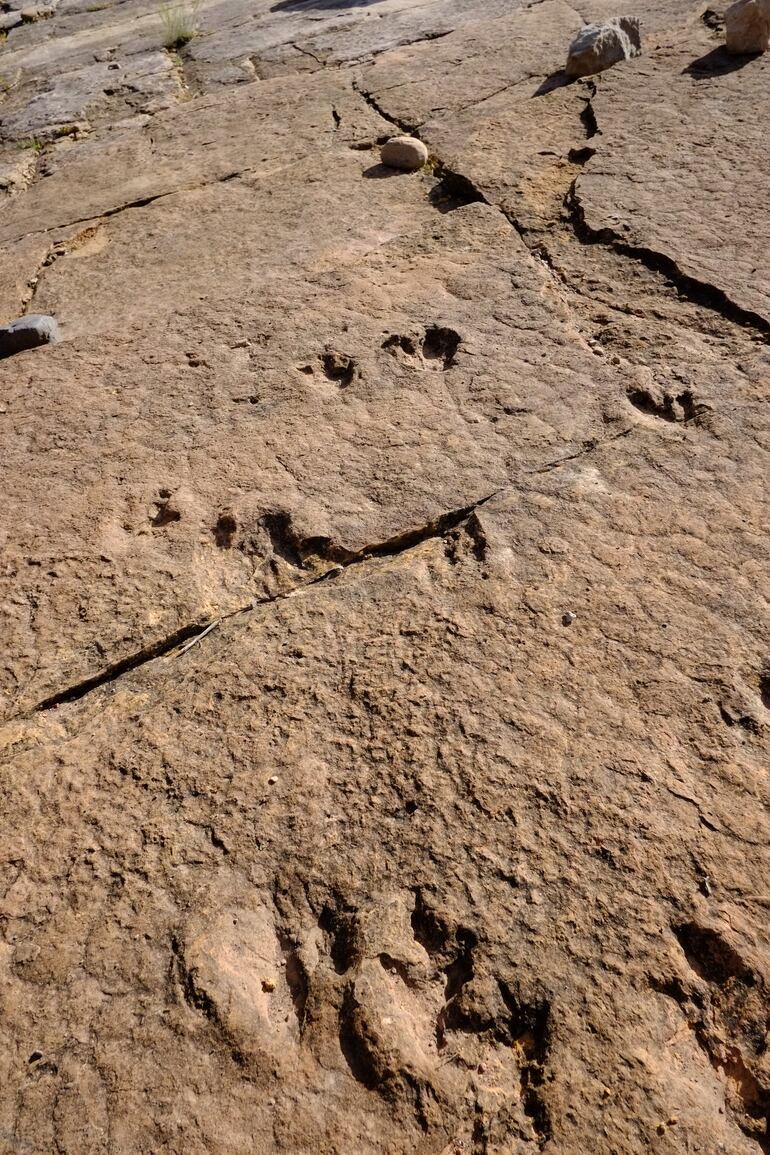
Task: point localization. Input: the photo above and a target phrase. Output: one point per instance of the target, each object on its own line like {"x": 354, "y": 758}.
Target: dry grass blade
{"x": 180, "y": 23}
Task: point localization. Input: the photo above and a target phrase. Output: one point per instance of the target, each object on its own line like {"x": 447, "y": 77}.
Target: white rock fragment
{"x": 404, "y": 152}
{"x": 27, "y": 333}
{"x": 747, "y": 27}
{"x": 599, "y": 46}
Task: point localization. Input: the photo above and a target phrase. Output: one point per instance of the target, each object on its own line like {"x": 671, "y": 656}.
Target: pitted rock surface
{"x": 385, "y": 691}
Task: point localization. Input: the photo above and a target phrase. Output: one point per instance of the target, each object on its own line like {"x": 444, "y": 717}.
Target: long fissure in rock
{"x": 340, "y": 560}
{"x": 139, "y": 203}
{"x": 110, "y": 673}
{"x": 401, "y": 125}
{"x": 317, "y": 548}
{"x": 698, "y": 292}
{"x": 589, "y": 447}
{"x": 701, "y": 293}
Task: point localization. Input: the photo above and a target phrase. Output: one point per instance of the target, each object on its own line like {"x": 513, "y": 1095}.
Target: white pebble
{"x": 404, "y": 152}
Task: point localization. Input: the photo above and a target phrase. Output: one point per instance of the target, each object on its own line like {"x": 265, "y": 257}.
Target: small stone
{"x": 268, "y": 985}
{"x": 272, "y": 780}
{"x": 568, "y": 618}
{"x": 32, "y": 15}
{"x": 599, "y": 46}
{"x": 747, "y": 27}
{"x": 404, "y": 152}
{"x": 27, "y": 333}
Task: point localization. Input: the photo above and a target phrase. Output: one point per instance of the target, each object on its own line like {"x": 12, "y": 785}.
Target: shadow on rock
{"x": 717, "y": 63}
{"x": 381, "y": 171}
{"x": 555, "y": 80}
{"x": 303, "y": 5}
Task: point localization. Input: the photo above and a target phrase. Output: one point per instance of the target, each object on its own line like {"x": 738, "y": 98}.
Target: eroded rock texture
{"x": 385, "y": 676}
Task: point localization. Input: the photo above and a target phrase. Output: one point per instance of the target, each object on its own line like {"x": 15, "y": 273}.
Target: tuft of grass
{"x": 33, "y": 143}
{"x": 180, "y": 23}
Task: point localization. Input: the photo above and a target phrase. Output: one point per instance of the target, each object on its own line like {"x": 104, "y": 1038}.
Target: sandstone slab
{"x": 383, "y": 562}
{"x": 422, "y": 421}
{"x": 650, "y": 205}
{"x": 405, "y": 947}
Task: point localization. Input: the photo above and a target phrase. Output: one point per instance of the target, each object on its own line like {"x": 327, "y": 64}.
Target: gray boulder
{"x": 747, "y": 27}
{"x": 27, "y": 333}
{"x": 599, "y": 46}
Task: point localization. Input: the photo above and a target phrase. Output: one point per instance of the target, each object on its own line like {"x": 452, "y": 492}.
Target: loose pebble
{"x": 404, "y": 152}
{"x": 568, "y": 618}
{"x": 27, "y": 333}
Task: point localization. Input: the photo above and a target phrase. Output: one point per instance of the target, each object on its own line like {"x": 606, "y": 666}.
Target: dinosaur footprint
{"x": 231, "y": 966}
{"x": 422, "y": 1022}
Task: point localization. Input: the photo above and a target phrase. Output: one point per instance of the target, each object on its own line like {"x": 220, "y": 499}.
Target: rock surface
{"x": 385, "y": 677}
{"x": 598, "y": 46}
{"x": 747, "y": 26}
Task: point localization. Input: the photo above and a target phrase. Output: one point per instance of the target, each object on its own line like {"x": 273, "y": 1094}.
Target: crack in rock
{"x": 401, "y": 125}
{"x": 321, "y": 548}
{"x": 699, "y": 292}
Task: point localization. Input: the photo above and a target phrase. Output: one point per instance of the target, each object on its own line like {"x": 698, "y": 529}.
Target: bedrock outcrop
{"x": 385, "y": 681}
